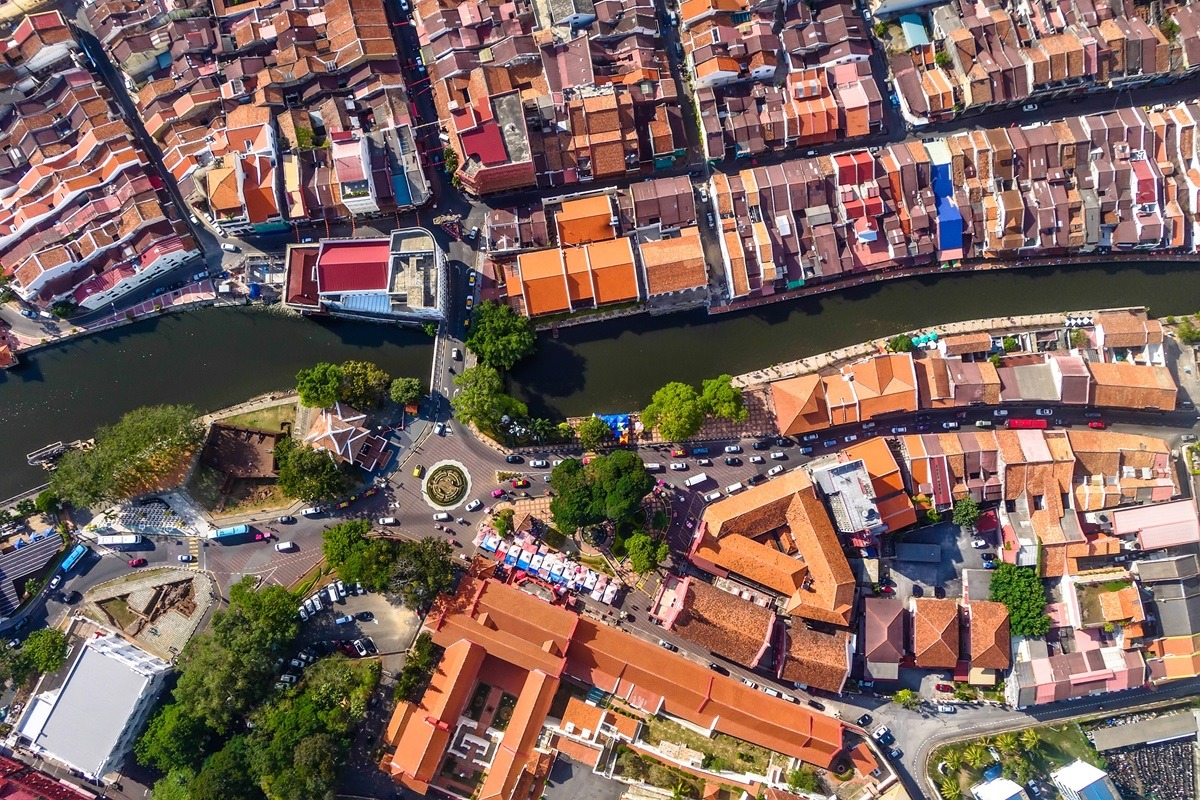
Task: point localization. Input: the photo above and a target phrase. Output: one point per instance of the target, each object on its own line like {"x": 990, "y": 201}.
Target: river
{"x": 211, "y": 358}
{"x": 217, "y": 357}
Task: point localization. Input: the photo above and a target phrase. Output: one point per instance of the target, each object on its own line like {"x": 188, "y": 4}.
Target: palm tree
{"x": 680, "y": 791}
{"x": 1030, "y": 739}
{"x": 949, "y": 789}
{"x": 1007, "y": 742}
{"x": 954, "y": 759}
{"x": 975, "y": 755}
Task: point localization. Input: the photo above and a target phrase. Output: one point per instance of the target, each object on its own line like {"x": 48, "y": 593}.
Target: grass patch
{"x": 119, "y": 611}
{"x": 266, "y": 419}
{"x": 740, "y": 756}
{"x": 597, "y": 563}
{"x": 1059, "y": 745}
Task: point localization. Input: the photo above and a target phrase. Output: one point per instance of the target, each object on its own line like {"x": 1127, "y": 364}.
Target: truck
{"x": 236, "y": 530}
{"x": 119, "y": 541}
{"x": 1025, "y": 424}
{"x": 695, "y": 480}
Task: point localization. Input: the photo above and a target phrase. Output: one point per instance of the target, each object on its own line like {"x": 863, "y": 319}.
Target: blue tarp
{"x": 950, "y": 222}
{"x": 619, "y": 425}
{"x": 914, "y": 30}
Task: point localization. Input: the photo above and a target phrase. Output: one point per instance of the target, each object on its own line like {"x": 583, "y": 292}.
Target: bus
{"x": 123, "y": 540}
{"x": 236, "y": 530}
{"x": 71, "y": 560}
{"x": 1024, "y": 424}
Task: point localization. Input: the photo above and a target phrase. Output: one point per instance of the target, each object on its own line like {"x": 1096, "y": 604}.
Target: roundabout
{"x": 446, "y": 484}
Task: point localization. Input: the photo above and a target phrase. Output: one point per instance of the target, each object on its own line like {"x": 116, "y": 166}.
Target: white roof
{"x": 999, "y": 789}
{"x": 1078, "y": 776}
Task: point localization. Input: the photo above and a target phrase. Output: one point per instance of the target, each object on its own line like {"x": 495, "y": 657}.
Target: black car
{"x": 864, "y": 720}
{"x": 513, "y": 458}
{"x": 783, "y": 441}
{"x": 364, "y": 616}
{"x": 989, "y": 556}
{"x": 817, "y": 705}
{"x": 887, "y": 740}
{"x": 923, "y": 418}
{"x": 761, "y": 445}
{"x": 733, "y": 461}
{"x": 717, "y": 668}
{"x": 895, "y": 753}
{"x": 369, "y": 643}
{"x": 754, "y": 480}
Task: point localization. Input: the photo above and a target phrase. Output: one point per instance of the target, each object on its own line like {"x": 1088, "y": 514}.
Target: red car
{"x": 519, "y": 483}
{"x": 944, "y": 687}
{"x": 260, "y": 536}
{"x": 137, "y": 562}
{"x": 886, "y": 590}
{"x": 679, "y": 452}
{"x": 1098, "y": 424}
{"x": 374, "y": 490}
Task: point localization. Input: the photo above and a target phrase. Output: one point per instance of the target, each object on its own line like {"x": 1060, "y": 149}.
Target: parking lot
{"x": 391, "y": 627}
{"x": 940, "y": 578}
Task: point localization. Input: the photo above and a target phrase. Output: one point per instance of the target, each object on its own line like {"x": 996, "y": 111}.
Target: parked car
{"x": 364, "y": 616}
{"x": 303, "y": 614}
{"x": 679, "y": 452}
{"x": 1188, "y": 437}
{"x": 880, "y": 732}
{"x": 287, "y": 677}
{"x": 286, "y": 520}
{"x": 775, "y": 470}
{"x": 949, "y": 425}
{"x": 679, "y": 465}
{"x": 900, "y": 429}
{"x": 732, "y": 461}
{"x": 943, "y": 687}
{"x": 757, "y": 460}
{"x": 945, "y": 708}
{"x": 667, "y": 645}
{"x": 805, "y": 451}
{"x": 360, "y": 648}
{"x": 829, "y": 443}
{"x": 733, "y": 448}
{"x": 1093, "y": 415}
{"x": 866, "y": 426}
{"x": 895, "y": 753}
{"x": 810, "y": 437}
{"x": 851, "y": 438}
{"x": 310, "y": 512}
{"x": 767, "y": 445}
{"x": 1000, "y": 412}
{"x": 979, "y": 544}
{"x": 750, "y": 683}
{"x": 778, "y": 455}
{"x": 864, "y": 720}
{"x": 1044, "y": 412}
{"x": 285, "y": 547}
{"x": 1030, "y": 107}
{"x": 1097, "y": 424}
{"x": 137, "y": 562}
{"x": 519, "y": 483}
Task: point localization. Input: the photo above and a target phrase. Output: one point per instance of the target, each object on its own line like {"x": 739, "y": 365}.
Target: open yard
{"x": 738, "y": 756}
{"x": 244, "y": 495}
{"x": 1022, "y": 755}
{"x": 265, "y": 419}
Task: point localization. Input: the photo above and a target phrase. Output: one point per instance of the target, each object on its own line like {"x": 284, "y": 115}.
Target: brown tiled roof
{"x": 990, "y": 647}
{"x": 817, "y": 659}
{"x": 1126, "y": 385}
{"x": 674, "y": 265}
{"x": 964, "y": 343}
{"x": 1128, "y": 329}
{"x": 935, "y": 632}
{"x": 724, "y": 623}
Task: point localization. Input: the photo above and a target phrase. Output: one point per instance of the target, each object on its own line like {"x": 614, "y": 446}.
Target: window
{"x": 1039, "y": 502}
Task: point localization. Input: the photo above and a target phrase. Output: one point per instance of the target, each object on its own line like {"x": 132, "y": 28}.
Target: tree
{"x": 676, "y": 410}
{"x": 593, "y": 432}
{"x": 611, "y": 487}
{"x": 406, "y": 391}
{"x": 364, "y": 385}
{"x": 307, "y": 474}
{"x": 430, "y": 329}
{"x": 503, "y": 522}
{"x": 966, "y": 512}
{"x": 1187, "y": 332}
{"x": 481, "y": 400}
{"x": 46, "y": 649}
{"x": 1007, "y": 742}
{"x": 320, "y": 386}
{"x": 339, "y": 542}
{"x": 1009, "y": 343}
{"x": 173, "y": 738}
{"x": 879, "y": 28}
{"x": 46, "y": 502}
{"x": 646, "y": 553}
{"x": 25, "y": 508}
{"x": 1024, "y": 595}
{"x": 134, "y": 455}
{"x": 975, "y": 755}
{"x": 942, "y": 59}
{"x": 500, "y": 337}
{"x": 1078, "y": 338}
{"x": 901, "y": 344}
{"x": 719, "y": 398}
{"x": 422, "y": 571}
{"x": 175, "y": 785}
{"x": 226, "y": 775}
{"x": 949, "y": 789}
{"x": 357, "y": 557}
{"x": 1031, "y": 740}
{"x": 1169, "y": 28}
{"x": 803, "y": 779}
{"x": 906, "y": 698}
{"x": 953, "y": 759}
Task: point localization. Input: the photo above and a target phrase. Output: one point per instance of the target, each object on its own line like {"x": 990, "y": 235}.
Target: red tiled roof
{"x": 353, "y": 265}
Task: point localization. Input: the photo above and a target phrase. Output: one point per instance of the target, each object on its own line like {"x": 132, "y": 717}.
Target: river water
{"x": 217, "y": 357}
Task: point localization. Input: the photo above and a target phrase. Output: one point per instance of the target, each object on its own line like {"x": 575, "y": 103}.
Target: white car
{"x": 1045, "y": 412}
{"x": 474, "y": 504}
{"x": 310, "y": 512}
{"x": 778, "y": 455}
{"x": 733, "y": 448}
{"x": 360, "y": 648}
{"x": 868, "y": 426}
{"x": 851, "y": 438}
{"x": 880, "y": 732}
{"x": 949, "y": 425}
{"x": 679, "y": 466}
{"x": 1000, "y": 412}
{"x": 303, "y": 614}
{"x": 539, "y": 463}
{"x": 775, "y": 470}
{"x": 979, "y": 544}
{"x": 185, "y": 558}
{"x": 757, "y": 460}
{"x": 386, "y": 521}
{"x": 556, "y": 462}
{"x": 1030, "y": 107}
{"x": 900, "y": 429}
{"x": 285, "y": 547}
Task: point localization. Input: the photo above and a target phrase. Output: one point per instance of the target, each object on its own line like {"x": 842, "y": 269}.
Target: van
{"x": 734, "y": 488}
{"x": 346, "y": 620}
{"x": 713, "y": 495}
{"x": 285, "y": 547}
{"x": 654, "y": 466}
{"x": 442, "y": 516}
{"x": 983, "y": 423}
{"x": 695, "y": 480}
{"x": 771, "y": 691}
{"x": 310, "y": 512}
{"x": 699, "y": 451}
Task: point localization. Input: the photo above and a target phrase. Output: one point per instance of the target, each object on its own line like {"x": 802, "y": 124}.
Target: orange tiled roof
{"x": 800, "y": 404}
{"x": 613, "y": 273}
{"x": 990, "y": 645}
{"x": 935, "y": 632}
{"x": 588, "y": 219}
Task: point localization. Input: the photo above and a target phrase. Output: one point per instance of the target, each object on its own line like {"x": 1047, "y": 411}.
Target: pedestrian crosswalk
{"x": 194, "y": 550}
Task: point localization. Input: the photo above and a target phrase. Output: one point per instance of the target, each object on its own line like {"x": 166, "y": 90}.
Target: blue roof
{"x": 914, "y": 30}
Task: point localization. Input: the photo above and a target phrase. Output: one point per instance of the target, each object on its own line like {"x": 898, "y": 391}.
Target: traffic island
{"x": 446, "y": 484}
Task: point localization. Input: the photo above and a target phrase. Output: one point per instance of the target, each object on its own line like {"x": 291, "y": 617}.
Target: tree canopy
{"x": 406, "y": 391}
{"x": 46, "y": 649}
{"x": 611, "y": 487}
{"x": 364, "y": 385}
{"x": 901, "y": 344}
{"x": 357, "y": 557}
{"x": 1024, "y": 595}
{"x": 593, "y": 432}
{"x": 966, "y": 511}
{"x": 500, "y": 337}
{"x": 134, "y": 455}
{"x": 308, "y": 474}
{"x": 422, "y": 570}
{"x": 720, "y": 398}
{"x": 676, "y": 410}
{"x": 319, "y": 386}
{"x": 645, "y": 553}
{"x": 482, "y": 400}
